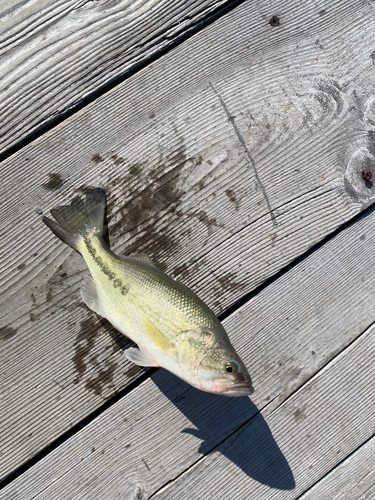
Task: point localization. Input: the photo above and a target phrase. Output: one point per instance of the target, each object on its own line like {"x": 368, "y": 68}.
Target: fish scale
{"x": 172, "y": 326}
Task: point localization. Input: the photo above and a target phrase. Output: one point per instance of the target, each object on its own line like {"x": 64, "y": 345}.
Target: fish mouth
{"x": 239, "y": 390}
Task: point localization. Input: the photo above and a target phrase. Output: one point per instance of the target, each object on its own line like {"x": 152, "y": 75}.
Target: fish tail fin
{"x": 73, "y": 222}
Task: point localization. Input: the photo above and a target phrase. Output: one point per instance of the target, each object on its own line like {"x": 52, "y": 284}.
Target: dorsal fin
{"x": 140, "y": 257}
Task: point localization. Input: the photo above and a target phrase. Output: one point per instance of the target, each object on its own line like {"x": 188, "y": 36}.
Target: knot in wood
{"x": 367, "y": 176}
{"x": 274, "y": 21}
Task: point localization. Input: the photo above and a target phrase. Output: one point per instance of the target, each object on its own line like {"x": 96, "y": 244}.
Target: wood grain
{"x": 353, "y": 479}
{"x": 224, "y": 160}
{"x": 315, "y": 429}
{"x": 286, "y": 334}
{"x": 54, "y": 53}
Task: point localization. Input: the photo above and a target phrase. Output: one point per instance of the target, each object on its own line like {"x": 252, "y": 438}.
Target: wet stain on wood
{"x": 97, "y": 158}
{"x": 228, "y": 281}
{"x": 232, "y": 197}
{"x": 159, "y": 193}
{"x": 55, "y": 182}
{"x": 82, "y": 189}
{"x": 210, "y": 223}
{"x": 85, "y": 341}
{"x": 299, "y": 413}
{"x": 182, "y": 271}
{"x": 118, "y": 160}
{"x": 103, "y": 378}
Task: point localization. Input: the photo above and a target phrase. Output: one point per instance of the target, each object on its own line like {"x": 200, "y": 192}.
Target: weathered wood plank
{"x": 315, "y": 429}
{"x": 199, "y": 190}
{"x": 352, "y": 479}
{"x": 55, "y": 53}
{"x": 285, "y": 334}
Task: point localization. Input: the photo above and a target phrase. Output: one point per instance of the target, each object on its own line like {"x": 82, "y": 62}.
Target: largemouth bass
{"x": 173, "y": 328}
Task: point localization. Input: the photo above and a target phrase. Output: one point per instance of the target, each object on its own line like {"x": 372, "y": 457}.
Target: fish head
{"x": 221, "y": 371}
{"x": 215, "y": 365}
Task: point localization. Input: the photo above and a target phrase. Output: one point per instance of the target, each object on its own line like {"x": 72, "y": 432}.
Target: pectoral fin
{"x": 157, "y": 337}
{"x": 90, "y": 296}
{"x": 140, "y": 358}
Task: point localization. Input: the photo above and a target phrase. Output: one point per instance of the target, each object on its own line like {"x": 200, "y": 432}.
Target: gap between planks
{"x": 70, "y": 109}
{"x": 237, "y": 305}
{"x": 356, "y": 455}
{"x": 277, "y": 408}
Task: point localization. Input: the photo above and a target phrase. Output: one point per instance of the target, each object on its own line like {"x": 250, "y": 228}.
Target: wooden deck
{"x": 232, "y": 152}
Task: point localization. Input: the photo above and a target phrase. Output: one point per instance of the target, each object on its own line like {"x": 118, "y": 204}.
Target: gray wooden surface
{"x": 54, "y": 53}
{"x": 353, "y": 479}
{"x": 315, "y": 429}
{"x": 225, "y": 159}
{"x": 291, "y": 331}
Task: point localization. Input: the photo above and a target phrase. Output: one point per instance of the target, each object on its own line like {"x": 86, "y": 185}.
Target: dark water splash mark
{"x": 210, "y": 223}
{"x": 102, "y": 375}
{"x": 103, "y": 378}
{"x": 55, "y": 182}
{"x": 227, "y": 281}
{"x": 138, "y": 216}
{"x": 85, "y": 342}
{"x": 118, "y": 160}
{"x": 159, "y": 193}
{"x": 222, "y": 284}
{"x": 232, "y": 197}
{"x": 97, "y": 158}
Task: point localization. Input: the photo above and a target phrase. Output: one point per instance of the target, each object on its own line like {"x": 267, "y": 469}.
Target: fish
{"x": 171, "y": 325}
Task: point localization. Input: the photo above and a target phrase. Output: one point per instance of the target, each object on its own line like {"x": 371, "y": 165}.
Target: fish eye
{"x": 231, "y": 367}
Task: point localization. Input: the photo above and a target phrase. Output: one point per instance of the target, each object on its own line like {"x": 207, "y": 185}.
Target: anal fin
{"x": 140, "y": 358}
{"x": 90, "y": 296}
